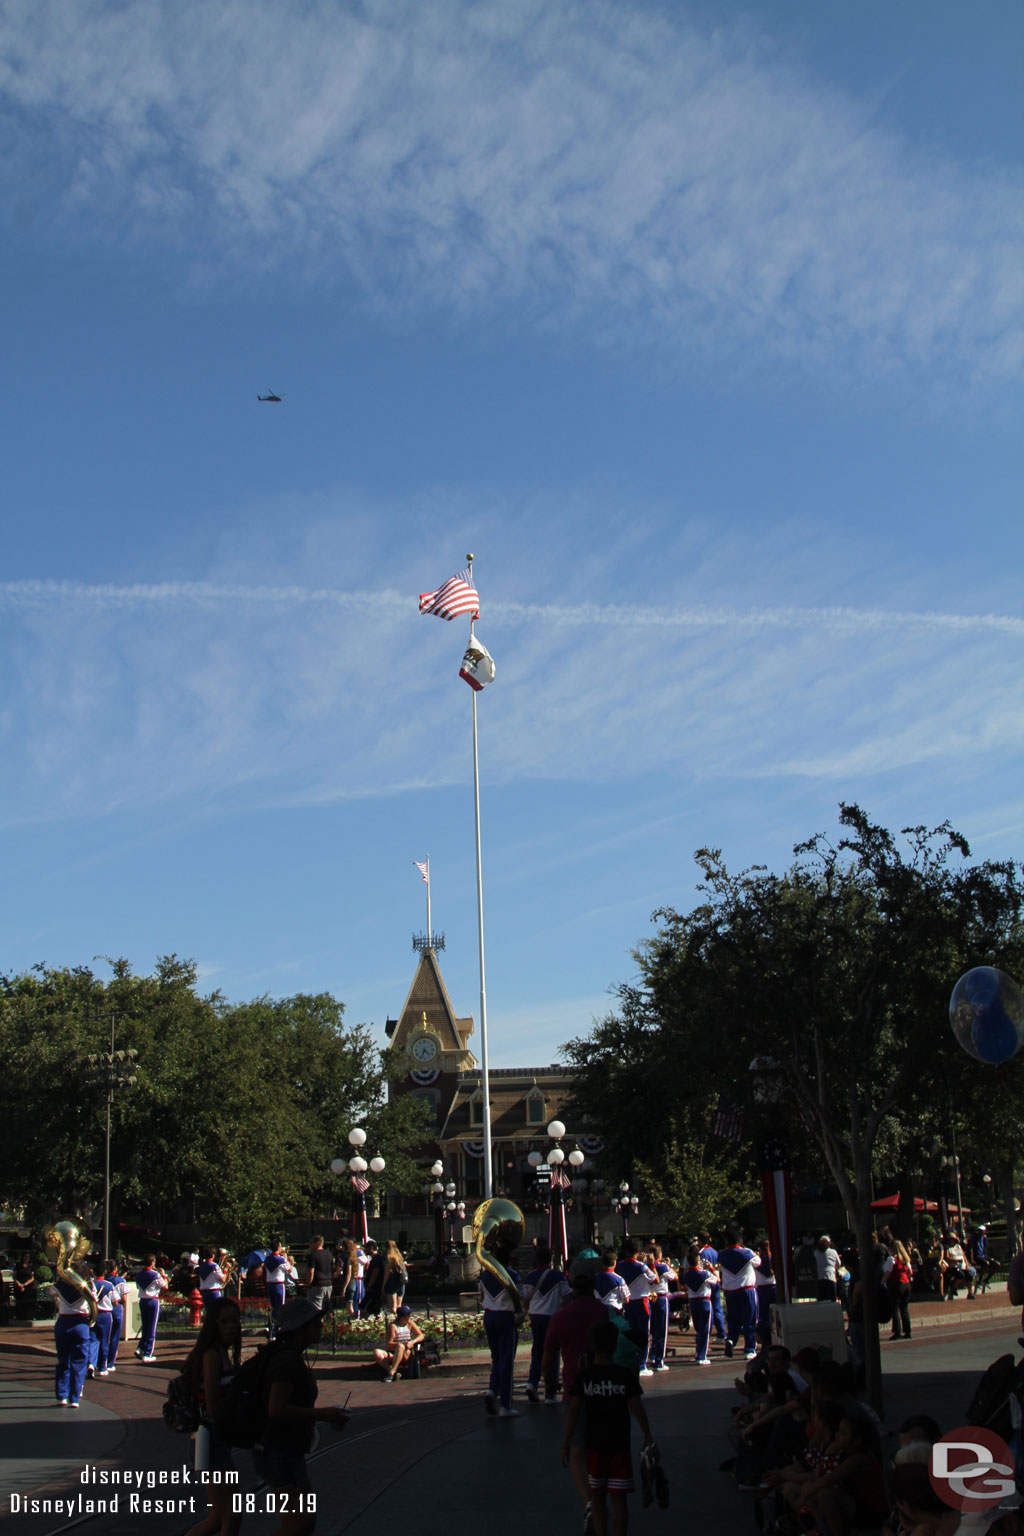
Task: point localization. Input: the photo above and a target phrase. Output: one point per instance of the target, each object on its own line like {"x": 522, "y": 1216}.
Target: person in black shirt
{"x": 607, "y": 1395}
{"x": 292, "y": 1414}
{"x": 319, "y": 1275}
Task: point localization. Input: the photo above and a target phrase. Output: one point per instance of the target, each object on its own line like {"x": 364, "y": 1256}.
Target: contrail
{"x": 23, "y": 595}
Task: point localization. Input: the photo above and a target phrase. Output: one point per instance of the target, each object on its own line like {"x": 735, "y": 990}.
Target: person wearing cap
{"x": 292, "y": 1414}
{"x": 400, "y": 1341}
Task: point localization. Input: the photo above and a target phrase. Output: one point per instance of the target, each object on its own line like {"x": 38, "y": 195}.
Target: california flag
{"x": 477, "y": 665}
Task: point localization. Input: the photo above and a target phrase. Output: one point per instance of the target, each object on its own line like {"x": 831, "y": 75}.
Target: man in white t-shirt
{"x": 827, "y": 1260}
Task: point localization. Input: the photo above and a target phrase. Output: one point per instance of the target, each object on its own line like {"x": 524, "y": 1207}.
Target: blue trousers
{"x": 116, "y": 1330}
{"x": 149, "y": 1312}
{"x": 538, "y": 1332}
{"x": 765, "y": 1300}
{"x": 502, "y": 1336}
{"x": 741, "y": 1317}
{"x": 659, "y": 1329}
{"x": 700, "y": 1315}
{"x": 71, "y": 1336}
{"x": 716, "y": 1310}
{"x": 275, "y": 1295}
{"x": 101, "y": 1333}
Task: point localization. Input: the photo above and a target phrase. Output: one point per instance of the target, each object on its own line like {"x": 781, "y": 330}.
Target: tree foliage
{"x": 236, "y": 1114}
{"x": 840, "y": 970}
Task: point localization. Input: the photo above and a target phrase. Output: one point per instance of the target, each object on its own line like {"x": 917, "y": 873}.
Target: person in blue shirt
{"x": 639, "y": 1280}
{"x": 737, "y": 1266}
{"x": 275, "y": 1270}
{"x": 72, "y": 1336}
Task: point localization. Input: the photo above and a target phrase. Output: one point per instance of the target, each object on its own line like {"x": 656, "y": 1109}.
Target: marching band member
{"x": 120, "y": 1288}
{"x": 105, "y": 1298}
{"x": 72, "y": 1336}
{"x": 737, "y": 1266}
{"x": 698, "y": 1279}
{"x": 765, "y": 1292}
{"x": 659, "y": 1308}
{"x": 212, "y": 1278}
{"x": 640, "y": 1281}
{"x": 150, "y": 1282}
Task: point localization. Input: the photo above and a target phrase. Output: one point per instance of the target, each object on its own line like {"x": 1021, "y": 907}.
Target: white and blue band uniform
{"x": 639, "y": 1282}
{"x": 105, "y": 1298}
{"x": 544, "y": 1290}
{"x": 120, "y": 1285}
{"x": 697, "y": 1280}
{"x": 211, "y": 1281}
{"x": 501, "y": 1328}
{"x": 609, "y": 1285}
{"x": 737, "y": 1266}
{"x": 150, "y": 1282}
{"x": 275, "y": 1268}
{"x": 709, "y": 1258}
{"x": 764, "y": 1281}
{"x": 659, "y": 1311}
{"x": 71, "y": 1336}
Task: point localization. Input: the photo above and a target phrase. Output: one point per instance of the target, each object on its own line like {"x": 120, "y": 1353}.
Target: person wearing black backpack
{"x": 290, "y": 1393}
{"x": 210, "y": 1368}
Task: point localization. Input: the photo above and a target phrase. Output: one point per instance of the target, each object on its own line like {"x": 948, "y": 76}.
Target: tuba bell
{"x": 497, "y": 1232}
{"x": 66, "y": 1243}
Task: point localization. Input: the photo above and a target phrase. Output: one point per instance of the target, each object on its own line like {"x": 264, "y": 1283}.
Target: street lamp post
{"x": 357, "y": 1167}
{"x": 626, "y": 1204}
{"x": 110, "y": 1069}
{"x": 437, "y": 1199}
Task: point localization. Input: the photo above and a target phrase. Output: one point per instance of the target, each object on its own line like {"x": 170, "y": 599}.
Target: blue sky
{"x": 699, "y": 324}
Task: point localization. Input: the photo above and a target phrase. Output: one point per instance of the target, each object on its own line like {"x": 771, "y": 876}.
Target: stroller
{"x": 998, "y": 1405}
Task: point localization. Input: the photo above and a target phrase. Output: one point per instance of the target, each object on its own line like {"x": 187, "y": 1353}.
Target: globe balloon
{"x": 987, "y": 1014}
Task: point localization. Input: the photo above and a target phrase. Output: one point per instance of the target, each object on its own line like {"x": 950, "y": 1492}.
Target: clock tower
{"x": 429, "y": 1043}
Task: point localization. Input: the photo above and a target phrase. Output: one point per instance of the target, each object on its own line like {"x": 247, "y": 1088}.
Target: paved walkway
{"x": 421, "y": 1454}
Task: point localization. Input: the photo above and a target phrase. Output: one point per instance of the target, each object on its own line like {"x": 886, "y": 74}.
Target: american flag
{"x": 360, "y": 1184}
{"x": 424, "y": 870}
{"x": 728, "y": 1120}
{"x": 456, "y": 597}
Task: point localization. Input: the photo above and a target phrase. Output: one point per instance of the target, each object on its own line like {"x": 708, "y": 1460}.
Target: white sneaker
{"x": 102, "y": 1373}
{"x": 646, "y": 1371}
{"x": 661, "y": 1367}
{"x": 532, "y": 1394}
{"x": 62, "y": 1402}
{"x": 705, "y": 1361}
{"x": 751, "y": 1354}
{"x": 148, "y": 1359}
{"x": 72, "y": 1405}
{"x": 508, "y": 1413}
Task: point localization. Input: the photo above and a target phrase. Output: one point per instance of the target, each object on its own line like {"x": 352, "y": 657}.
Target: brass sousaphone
{"x": 65, "y": 1244}
{"x": 497, "y": 1232}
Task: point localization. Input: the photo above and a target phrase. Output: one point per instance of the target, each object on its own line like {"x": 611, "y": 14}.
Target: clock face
{"x": 424, "y": 1049}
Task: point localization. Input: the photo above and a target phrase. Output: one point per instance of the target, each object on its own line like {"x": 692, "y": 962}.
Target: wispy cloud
{"x": 568, "y": 162}
{"x": 240, "y": 695}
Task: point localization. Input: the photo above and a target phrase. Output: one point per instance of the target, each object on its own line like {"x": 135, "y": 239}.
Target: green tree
{"x": 841, "y": 969}
{"x": 237, "y": 1111}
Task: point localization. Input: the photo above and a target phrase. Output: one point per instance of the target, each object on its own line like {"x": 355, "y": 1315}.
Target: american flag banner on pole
{"x": 777, "y": 1194}
{"x": 424, "y": 870}
{"x": 456, "y": 597}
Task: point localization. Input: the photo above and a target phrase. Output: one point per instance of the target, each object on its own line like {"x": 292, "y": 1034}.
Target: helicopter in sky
{"x": 270, "y": 398}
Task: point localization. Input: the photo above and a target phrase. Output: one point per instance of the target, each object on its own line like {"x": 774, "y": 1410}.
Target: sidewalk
{"x": 423, "y": 1453}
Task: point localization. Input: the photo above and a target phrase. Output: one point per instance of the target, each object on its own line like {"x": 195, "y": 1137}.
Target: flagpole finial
{"x": 470, "y": 559}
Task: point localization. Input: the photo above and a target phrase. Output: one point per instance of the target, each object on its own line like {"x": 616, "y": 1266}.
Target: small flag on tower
{"x": 424, "y": 870}
{"x": 456, "y": 597}
{"x": 477, "y": 665}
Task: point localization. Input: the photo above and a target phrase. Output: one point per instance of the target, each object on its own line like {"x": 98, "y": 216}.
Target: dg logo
{"x": 971, "y": 1469}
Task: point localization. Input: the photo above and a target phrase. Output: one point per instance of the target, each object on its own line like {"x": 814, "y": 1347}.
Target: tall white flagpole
{"x": 484, "y": 1074}
{"x": 430, "y": 941}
